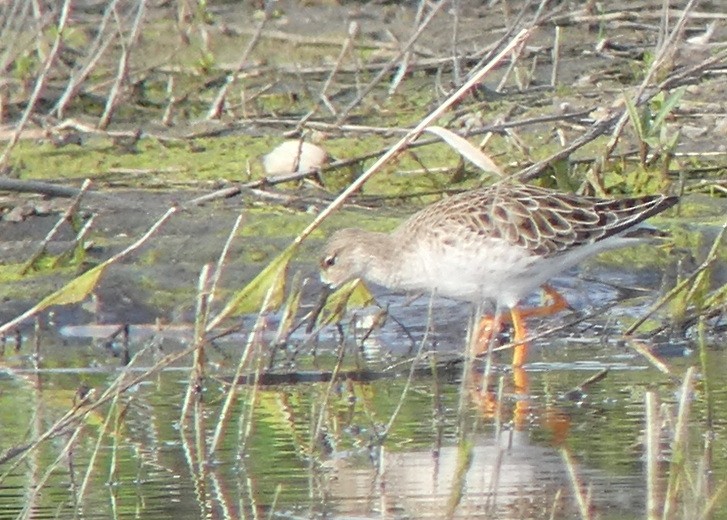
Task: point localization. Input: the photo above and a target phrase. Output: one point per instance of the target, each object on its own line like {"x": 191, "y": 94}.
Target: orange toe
{"x": 490, "y": 326}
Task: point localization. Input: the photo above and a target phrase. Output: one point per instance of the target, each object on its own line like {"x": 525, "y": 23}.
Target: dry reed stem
{"x": 645, "y": 352}
{"x": 679, "y": 447}
{"x": 456, "y": 66}
{"x": 116, "y": 435}
{"x": 555, "y": 53}
{"x": 200, "y": 440}
{"x": 576, "y": 485}
{"x": 252, "y": 345}
{"x": 65, "y": 218}
{"x": 651, "y": 443}
{"x": 196, "y": 465}
{"x": 465, "y": 455}
{"x": 556, "y": 504}
{"x": 215, "y": 111}
{"x": 195, "y": 385}
{"x": 219, "y": 266}
{"x": 392, "y": 63}
{"x": 118, "y": 256}
{"x": 203, "y": 302}
{"x": 323, "y": 403}
{"x": 122, "y": 74}
{"x": 39, "y": 82}
{"x": 289, "y": 312}
{"x": 96, "y": 50}
{"x": 412, "y": 135}
{"x": 101, "y": 434}
{"x": 248, "y": 422}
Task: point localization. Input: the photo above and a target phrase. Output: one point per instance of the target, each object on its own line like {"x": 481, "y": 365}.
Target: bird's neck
{"x": 384, "y": 259}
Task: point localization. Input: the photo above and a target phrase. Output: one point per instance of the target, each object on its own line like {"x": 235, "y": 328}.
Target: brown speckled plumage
{"x": 542, "y": 221}
{"x": 497, "y": 243}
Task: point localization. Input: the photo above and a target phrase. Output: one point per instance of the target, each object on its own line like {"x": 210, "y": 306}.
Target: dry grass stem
{"x": 576, "y": 485}
{"x": 122, "y": 74}
{"x": 392, "y": 63}
{"x": 691, "y": 281}
{"x": 555, "y": 53}
{"x": 215, "y": 111}
{"x": 651, "y": 442}
{"x": 39, "y": 82}
{"x": 65, "y": 218}
{"x": 219, "y": 267}
{"x": 411, "y": 135}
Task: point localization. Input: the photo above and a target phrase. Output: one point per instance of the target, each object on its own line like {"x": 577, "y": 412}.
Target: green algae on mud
{"x": 152, "y": 162}
{"x": 157, "y": 162}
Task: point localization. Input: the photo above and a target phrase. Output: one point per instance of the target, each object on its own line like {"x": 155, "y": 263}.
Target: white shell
{"x": 294, "y": 156}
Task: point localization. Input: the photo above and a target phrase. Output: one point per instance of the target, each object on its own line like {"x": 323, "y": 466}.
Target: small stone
{"x": 19, "y": 213}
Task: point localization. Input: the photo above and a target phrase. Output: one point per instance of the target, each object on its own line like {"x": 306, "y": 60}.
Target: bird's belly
{"x": 498, "y": 274}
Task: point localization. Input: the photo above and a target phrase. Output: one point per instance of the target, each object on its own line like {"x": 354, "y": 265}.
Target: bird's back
{"x": 541, "y": 221}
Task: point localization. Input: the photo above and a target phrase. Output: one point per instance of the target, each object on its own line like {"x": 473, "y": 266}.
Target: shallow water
{"x": 311, "y": 445}
{"x": 316, "y": 449}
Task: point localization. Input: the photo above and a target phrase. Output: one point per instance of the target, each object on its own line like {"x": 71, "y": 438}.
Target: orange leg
{"x": 490, "y": 326}
{"x": 490, "y": 407}
{"x": 557, "y": 304}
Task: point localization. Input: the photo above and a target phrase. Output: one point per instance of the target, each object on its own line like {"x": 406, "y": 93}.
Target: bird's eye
{"x": 329, "y": 261}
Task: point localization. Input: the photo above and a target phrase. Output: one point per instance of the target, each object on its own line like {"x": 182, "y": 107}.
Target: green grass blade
{"x": 667, "y": 108}
{"x": 250, "y": 298}
{"x": 635, "y": 118}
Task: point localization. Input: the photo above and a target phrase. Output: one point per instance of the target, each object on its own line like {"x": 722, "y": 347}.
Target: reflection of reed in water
{"x": 512, "y": 478}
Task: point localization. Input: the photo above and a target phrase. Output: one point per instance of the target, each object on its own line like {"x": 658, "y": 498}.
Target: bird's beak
{"x": 326, "y": 291}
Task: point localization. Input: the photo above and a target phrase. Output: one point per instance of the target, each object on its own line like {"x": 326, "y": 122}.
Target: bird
{"x": 495, "y": 244}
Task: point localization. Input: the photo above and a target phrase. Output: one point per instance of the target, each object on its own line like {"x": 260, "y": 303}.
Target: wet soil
{"x": 297, "y": 441}
{"x": 159, "y": 281}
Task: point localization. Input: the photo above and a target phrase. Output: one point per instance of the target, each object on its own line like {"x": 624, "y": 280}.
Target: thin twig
{"x": 413, "y": 134}
{"x": 65, "y": 218}
{"x": 215, "y": 110}
{"x": 659, "y": 59}
{"x": 96, "y": 50}
{"x": 39, "y": 82}
{"x": 392, "y": 63}
{"x": 123, "y": 67}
